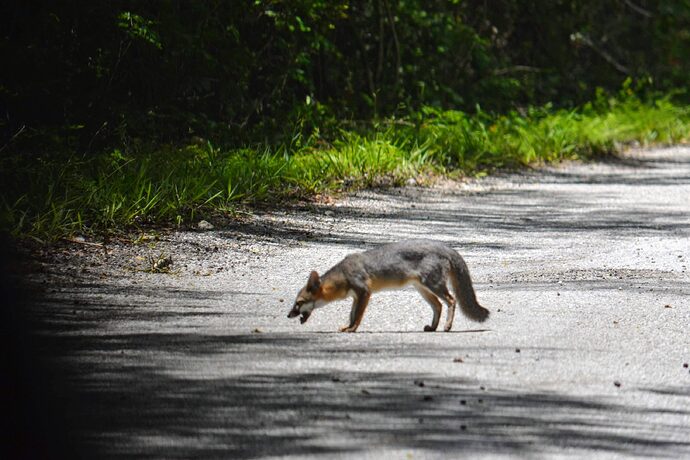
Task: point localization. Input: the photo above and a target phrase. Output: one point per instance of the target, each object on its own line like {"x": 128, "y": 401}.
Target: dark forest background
{"x": 88, "y": 74}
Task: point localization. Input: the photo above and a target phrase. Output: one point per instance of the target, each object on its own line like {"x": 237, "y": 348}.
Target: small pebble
{"x": 204, "y": 225}
{"x": 617, "y": 383}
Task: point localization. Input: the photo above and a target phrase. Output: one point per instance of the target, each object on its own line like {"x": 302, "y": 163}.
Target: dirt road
{"x": 584, "y": 269}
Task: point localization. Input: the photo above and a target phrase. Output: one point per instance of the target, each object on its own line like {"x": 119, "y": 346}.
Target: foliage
{"x": 47, "y": 196}
{"x": 94, "y": 75}
{"x": 122, "y": 113}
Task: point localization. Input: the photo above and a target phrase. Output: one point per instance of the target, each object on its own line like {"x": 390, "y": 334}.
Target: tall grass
{"x": 52, "y": 196}
{"x": 544, "y": 135}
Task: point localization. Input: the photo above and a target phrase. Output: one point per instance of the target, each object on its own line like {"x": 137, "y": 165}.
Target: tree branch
{"x": 516, "y": 68}
{"x": 585, "y": 40}
{"x": 21, "y": 130}
{"x": 638, "y": 9}
{"x": 398, "y": 63}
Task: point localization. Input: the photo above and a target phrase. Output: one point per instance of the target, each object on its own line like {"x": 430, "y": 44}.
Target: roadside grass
{"x": 50, "y": 196}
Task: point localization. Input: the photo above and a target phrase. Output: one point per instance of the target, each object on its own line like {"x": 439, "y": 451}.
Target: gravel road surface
{"x": 584, "y": 268}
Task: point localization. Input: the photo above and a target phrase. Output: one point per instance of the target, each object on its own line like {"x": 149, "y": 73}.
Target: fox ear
{"x": 314, "y": 282}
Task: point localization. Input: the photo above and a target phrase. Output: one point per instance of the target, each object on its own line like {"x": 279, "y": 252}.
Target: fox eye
{"x": 299, "y": 303}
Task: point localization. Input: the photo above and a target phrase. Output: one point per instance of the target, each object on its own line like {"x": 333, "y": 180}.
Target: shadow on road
{"x": 538, "y": 210}
{"x": 131, "y": 407}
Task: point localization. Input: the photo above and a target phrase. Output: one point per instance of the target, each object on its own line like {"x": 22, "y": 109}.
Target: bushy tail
{"x": 464, "y": 292}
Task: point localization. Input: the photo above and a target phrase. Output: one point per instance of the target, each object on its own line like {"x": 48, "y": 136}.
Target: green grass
{"x": 49, "y": 196}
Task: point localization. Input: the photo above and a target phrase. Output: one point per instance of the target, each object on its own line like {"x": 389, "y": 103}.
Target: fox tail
{"x": 464, "y": 292}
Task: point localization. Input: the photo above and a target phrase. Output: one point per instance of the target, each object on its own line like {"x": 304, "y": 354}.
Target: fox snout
{"x": 298, "y": 310}
{"x": 294, "y": 312}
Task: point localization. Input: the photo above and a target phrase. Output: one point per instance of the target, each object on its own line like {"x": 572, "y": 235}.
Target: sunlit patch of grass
{"x": 358, "y": 161}
{"x": 56, "y": 195}
{"x": 545, "y": 135}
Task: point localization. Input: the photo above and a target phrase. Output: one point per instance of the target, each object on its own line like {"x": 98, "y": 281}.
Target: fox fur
{"x": 428, "y": 265}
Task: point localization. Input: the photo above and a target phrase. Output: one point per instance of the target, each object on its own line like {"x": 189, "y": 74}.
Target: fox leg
{"x": 441, "y": 290}
{"x": 359, "y": 304}
{"x": 353, "y": 317}
{"x": 435, "y": 304}
{"x": 353, "y": 314}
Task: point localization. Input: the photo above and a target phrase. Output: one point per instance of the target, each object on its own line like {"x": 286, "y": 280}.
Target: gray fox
{"x": 428, "y": 265}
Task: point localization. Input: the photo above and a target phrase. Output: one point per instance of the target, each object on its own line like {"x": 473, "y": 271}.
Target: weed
{"x": 159, "y": 264}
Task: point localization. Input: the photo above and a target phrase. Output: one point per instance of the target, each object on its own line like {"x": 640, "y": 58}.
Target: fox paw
{"x": 429, "y": 329}
{"x": 348, "y": 329}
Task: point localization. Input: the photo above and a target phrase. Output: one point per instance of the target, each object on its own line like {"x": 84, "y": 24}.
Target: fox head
{"x": 308, "y": 298}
